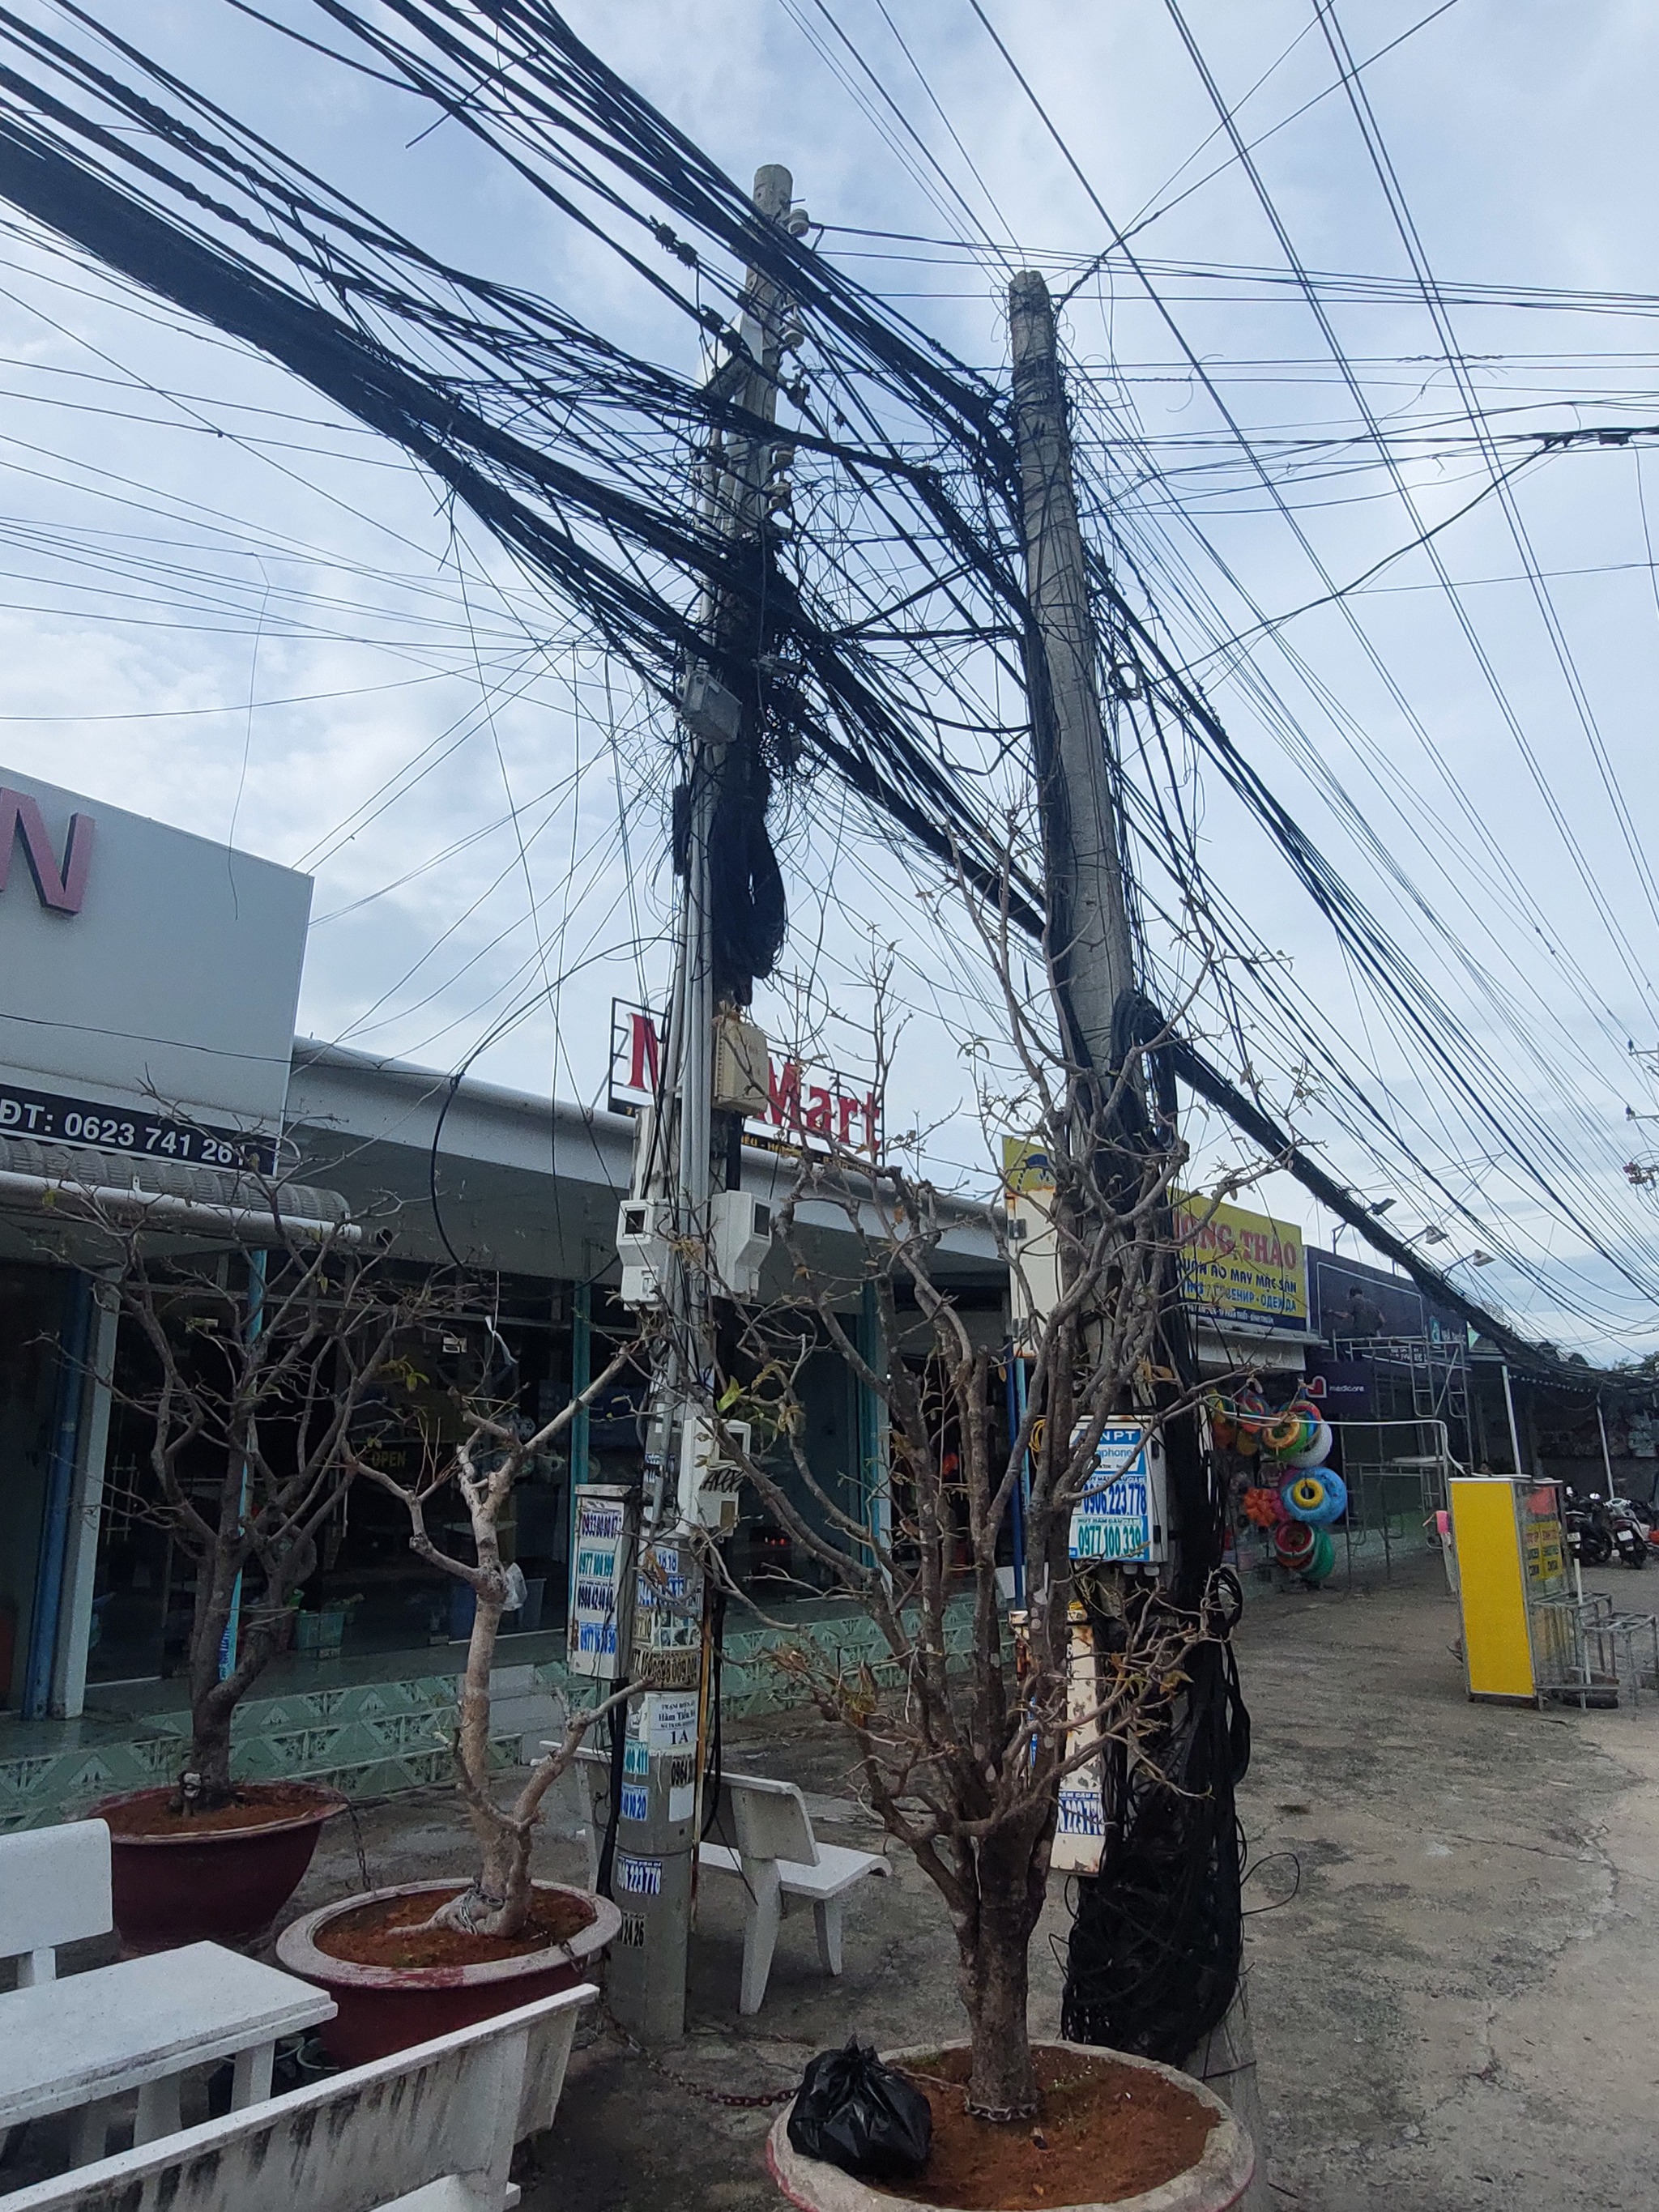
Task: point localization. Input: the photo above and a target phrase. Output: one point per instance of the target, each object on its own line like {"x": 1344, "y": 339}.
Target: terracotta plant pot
{"x": 1218, "y": 2180}
{"x": 387, "y": 2009}
{"x": 223, "y": 1885}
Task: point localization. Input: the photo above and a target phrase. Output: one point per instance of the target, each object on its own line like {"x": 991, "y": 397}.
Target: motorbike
{"x": 1645, "y": 1515}
{"x": 1597, "y": 1528}
{"x": 1588, "y": 1538}
{"x": 1630, "y": 1536}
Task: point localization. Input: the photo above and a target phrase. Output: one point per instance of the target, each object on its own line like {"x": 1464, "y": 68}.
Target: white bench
{"x": 54, "y": 1888}
{"x": 76, "y": 2045}
{"x": 764, "y": 1837}
{"x": 430, "y": 2130}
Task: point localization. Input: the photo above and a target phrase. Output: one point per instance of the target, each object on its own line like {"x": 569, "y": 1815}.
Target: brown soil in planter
{"x": 1105, "y": 2131}
{"x": 255, "y": 1805}
{"x": 388, "y": 1933}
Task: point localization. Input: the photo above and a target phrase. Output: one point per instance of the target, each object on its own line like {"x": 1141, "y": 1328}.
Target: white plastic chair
{"x": 54, "y": 1888}
{"x": 428, "y": 2129}
{"x": 766, "y": 1842}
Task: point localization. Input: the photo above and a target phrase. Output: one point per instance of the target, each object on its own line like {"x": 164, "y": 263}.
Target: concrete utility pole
{"x": 742, "y": 473}
{"x": 1089, "y": 939}
{"x": 688, "y": 1172}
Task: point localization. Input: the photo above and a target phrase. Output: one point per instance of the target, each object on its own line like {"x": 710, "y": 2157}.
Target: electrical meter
{"x": 740, "y": 1237}
{"x": 642, "y": 1246}
{"x": 711, "y": 1472}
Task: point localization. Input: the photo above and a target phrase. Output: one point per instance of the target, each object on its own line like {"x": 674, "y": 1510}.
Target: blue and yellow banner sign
{"x": 1241, "y": 1266}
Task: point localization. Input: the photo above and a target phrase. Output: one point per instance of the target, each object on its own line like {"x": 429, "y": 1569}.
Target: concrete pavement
{"x": 1453, "y": 1941}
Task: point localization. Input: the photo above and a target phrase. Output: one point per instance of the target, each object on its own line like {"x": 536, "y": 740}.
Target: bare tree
{"x": 251, "y": 1369}
{"x": 481, "y": 1468}
{"x": 963, "y": 1759}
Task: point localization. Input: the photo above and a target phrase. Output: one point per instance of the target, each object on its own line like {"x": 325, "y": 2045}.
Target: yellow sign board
{"x": 1026, "y": 1166}
{"x": 1511, "y": 1562}
{"x": 1241, "y": 1263}
{"x": 1235, "y": 1262}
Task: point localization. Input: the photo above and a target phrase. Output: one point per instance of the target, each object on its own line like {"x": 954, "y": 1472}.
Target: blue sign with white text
{"x": 1113, "y": 1518}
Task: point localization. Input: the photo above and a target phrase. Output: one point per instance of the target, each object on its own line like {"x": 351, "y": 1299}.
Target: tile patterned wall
{"x": 373, "y": 1739}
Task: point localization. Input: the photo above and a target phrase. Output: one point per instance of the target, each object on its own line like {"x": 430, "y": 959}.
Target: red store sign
{"x": 809, "y": 1110}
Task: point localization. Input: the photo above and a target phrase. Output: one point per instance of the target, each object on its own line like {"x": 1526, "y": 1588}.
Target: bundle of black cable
{"x": 1157, "y": 1934}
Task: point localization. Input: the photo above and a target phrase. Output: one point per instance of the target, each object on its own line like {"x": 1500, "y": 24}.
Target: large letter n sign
{"x": 60, "y": 889}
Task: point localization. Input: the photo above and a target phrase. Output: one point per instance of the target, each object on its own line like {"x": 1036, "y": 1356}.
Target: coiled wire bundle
{"x": 1157, "y": 1935}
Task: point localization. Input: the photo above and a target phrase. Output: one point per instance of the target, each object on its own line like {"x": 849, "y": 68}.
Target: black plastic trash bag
{"x": 853, "y": 2113}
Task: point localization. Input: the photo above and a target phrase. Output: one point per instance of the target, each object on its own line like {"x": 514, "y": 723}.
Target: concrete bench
{"x": 78, "y": 2044}
{"x": 428, "y": 2129}
{"x": 763, "y": 1836}
{"x": 54, "y": 1888}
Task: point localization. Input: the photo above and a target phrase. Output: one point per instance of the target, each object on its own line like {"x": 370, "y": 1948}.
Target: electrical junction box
{"x": 709, "y": 708}
{"x": 642, "y": 1245}
{"x": 711, "y": 1474}
{"x": 740, "y": 1237}
{"x": 743, "y": 1069}
{"x": 1123, "y": 1518}
{"x": 1033, "y": 1260}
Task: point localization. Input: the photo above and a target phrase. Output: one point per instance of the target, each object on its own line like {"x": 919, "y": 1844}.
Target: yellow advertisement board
{"x": 1241, "y": 1263}
{"x": 1235, "y": 1262}
{"x": 1026, "y": 1166}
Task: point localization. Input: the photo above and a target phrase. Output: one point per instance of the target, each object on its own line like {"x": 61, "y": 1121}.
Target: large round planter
{"x": 223, "y": 1885}
{"x": 1219, "y": 2181}
{"x": 387, "y": 2009}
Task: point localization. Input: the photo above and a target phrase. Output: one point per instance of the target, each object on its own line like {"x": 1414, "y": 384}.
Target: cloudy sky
{"x": 222, "y": 604}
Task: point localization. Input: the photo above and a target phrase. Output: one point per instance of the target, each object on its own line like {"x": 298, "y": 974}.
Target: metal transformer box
{"x": 1512, "y": 1561}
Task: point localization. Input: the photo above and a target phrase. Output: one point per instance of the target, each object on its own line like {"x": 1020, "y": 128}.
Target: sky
{"x": 223, "y": 604}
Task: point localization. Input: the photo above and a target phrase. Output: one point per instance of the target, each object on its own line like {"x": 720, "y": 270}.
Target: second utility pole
{"x": 1089, "y": 945}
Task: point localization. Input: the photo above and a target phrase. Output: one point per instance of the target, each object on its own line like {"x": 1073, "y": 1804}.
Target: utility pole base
{"x": 644, "y": 1976}
{"x": 1225, "y": 2063}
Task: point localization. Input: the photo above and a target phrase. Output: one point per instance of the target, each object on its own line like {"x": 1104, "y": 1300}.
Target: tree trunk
{"x": 211, "y": 1701}
{"x": 994, "y": 1978}
{"x": 209, "y": 1758}
{"x": 497, "y": 1902}
{"x": 1002, "y": 2085}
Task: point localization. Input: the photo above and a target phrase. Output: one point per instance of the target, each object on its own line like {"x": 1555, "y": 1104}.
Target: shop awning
{"x": 80, "y": 1184}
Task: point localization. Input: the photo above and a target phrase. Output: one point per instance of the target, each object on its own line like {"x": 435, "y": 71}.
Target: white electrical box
{"x": 1033, "y": 1262}
{"x": 709, "y": 708}
{"x": 740, "y": 1237}
{"x": 642, "y": 1246}
{"x": 743, "y": 1069}
{"x": 711, "y": 1472}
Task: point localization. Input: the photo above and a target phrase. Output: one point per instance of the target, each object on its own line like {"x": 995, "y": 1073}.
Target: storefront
{"x": 148, "y": 1041}
{"x": 145, "y": 1037}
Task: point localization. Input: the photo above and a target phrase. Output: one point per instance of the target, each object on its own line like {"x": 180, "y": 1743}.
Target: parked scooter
{"x": 1597, "y": 1528}
{"x": 1588, "y": 1537}
{"x": 1645, "y": 1516}
{"x": 1630, "y": 1536}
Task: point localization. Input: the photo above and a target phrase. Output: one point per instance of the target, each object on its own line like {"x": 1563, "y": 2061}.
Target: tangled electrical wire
{"x": 880, "y": 619}
{"x": 582, "y": 459}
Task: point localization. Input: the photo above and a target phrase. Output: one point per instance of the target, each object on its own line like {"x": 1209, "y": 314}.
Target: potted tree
{"x": 246, "y": 1370}
{"x": 993, "y": 1749}
{"x": 408, "y": 1963}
